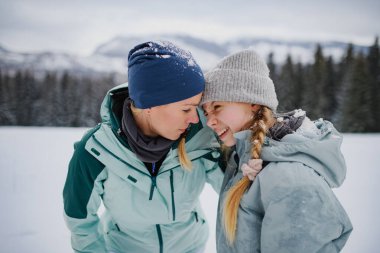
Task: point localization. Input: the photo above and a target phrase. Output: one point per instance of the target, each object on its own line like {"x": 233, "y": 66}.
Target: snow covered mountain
{"x": 206, "y": 53}
{"x": 50, "y": 61}
{"x": 111, "y": 57}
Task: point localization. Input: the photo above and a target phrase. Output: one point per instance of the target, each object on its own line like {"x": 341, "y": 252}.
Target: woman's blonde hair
{"x": 182, "y": 155}
{"x": 259, "y": 126}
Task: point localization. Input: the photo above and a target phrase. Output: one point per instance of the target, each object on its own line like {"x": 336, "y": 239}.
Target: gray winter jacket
{"x": 290, "y": 206}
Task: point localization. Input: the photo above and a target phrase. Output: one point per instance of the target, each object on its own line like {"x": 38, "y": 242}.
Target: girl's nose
{"x": 211, "y": 120}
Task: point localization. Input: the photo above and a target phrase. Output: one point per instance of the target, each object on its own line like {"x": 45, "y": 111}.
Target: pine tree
{"x": 272, "y": 67}
{"x": 373, "y": 59}
{"x": 299, "y": 84}
{"x": 344, "y": 81}
{"x": 315, "y": 91}
{"x": 45, "y": 105}
{"x": 28, "y": 95}
{"x": 330, "y": 105}
{"x": 285, "y": 87}
{"x": 8, "y": 98}
{"x": 4, "y": 110}
{"x": 357, "y": 114}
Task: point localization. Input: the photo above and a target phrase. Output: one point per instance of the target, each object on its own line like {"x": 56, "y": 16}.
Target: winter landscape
{"x": 33, "y": 166}
{"x": 58, "y": 58}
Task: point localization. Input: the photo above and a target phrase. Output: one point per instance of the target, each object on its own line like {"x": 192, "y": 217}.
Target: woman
{"x": 289, "y": 207}
{"x": 147, "y": 161}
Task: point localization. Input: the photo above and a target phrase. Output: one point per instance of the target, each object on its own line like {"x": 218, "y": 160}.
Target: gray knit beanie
{"x": 241, "y": 77}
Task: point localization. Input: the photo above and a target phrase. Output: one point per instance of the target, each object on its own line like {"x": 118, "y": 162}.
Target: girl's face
{"x": 171, "y": 120}
{"x": 227, "y": 118}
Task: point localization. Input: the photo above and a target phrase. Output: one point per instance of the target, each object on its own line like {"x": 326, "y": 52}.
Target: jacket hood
{"x": 315, "y": 144}
{"x": 108, "y": 101}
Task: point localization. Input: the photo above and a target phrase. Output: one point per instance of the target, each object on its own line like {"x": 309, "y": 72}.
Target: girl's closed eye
{"x": 216, "y": 107}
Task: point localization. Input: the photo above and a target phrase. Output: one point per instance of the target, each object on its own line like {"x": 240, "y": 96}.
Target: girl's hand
{"x": 253, "y": 168}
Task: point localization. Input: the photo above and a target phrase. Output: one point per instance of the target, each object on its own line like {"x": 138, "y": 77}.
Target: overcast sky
{"x": 79, "y": 26}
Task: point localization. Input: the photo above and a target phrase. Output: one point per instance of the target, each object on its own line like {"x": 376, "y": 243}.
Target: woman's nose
{"x": 194, "y": 118}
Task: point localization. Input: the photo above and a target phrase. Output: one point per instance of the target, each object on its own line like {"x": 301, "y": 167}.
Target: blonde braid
{"x": 259, "y": 128}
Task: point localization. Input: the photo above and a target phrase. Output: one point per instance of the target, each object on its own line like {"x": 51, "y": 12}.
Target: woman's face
{"x": 227, "y": 118}
{"x": 171, "y": 120}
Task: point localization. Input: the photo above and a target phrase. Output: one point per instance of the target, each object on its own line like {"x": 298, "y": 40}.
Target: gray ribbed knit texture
{"x": 241, "y": 77}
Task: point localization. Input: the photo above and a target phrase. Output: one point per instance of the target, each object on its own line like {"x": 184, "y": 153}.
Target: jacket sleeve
{"x": 301, "y": 213}
{"x": 82, "y": 198}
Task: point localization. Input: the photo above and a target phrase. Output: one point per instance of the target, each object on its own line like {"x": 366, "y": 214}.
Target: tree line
{"x": 67, "y": 100}
{"x": 346, "y": 92}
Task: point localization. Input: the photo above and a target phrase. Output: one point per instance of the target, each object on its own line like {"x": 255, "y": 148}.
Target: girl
{"x": 289, "y": 207}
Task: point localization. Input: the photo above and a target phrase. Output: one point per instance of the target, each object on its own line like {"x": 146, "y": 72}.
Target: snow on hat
{"x": 241, "y": 77}
{"x": 161, "y": 73}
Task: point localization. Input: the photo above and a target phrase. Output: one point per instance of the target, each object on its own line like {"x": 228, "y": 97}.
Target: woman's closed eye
{"x": 187, "y": 110}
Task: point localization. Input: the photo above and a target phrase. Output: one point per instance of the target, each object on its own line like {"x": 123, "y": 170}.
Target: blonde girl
{"x": 290, "y": 206}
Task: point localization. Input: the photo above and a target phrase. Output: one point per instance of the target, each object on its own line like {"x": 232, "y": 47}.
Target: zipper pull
{"x": 153, "y": 168}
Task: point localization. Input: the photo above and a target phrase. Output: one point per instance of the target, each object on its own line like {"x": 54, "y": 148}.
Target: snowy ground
{"x": 33, "y": 164}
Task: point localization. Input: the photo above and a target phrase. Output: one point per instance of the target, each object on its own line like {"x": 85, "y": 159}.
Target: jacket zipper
{"x": 158, "y": 228}
{"x": 172, "y": 192}
{"x": 152, "y": 187}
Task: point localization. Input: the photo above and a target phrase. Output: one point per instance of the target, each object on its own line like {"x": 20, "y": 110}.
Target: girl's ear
{"x": 255, "y": 108}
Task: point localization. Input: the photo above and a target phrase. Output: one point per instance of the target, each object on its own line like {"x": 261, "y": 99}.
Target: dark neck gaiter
{"x": 147, "y": 149}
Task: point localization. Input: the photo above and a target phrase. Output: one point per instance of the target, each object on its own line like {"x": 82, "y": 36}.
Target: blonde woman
{"x": 147, "y": 161}
{"x": 290, "y": 206}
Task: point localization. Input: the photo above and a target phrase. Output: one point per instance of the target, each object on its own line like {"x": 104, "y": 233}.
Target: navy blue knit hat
{"x": 161, "y": 73}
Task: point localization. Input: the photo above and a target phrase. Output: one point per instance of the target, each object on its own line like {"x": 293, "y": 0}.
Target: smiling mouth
{"x": 222, "y": 132}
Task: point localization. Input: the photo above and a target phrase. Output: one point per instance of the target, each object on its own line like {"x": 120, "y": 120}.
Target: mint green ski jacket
{"x": 142, "y": 213}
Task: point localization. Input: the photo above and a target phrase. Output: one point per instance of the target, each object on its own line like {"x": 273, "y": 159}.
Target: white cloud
{"x": 79, "y": 26}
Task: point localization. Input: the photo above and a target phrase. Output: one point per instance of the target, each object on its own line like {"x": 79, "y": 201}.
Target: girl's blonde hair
{"x": 182, "y": 155}
{"x": 259, "y": 127}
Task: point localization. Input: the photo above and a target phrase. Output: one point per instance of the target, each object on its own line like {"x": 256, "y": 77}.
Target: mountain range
{"x": 111, "y": 57}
